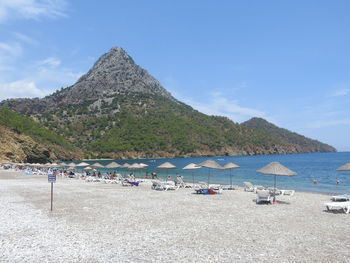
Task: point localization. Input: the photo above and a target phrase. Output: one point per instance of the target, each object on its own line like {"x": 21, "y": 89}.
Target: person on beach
{"x": 154, "y": 175}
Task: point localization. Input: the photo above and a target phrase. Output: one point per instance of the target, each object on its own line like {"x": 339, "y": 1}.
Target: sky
{"x": 285, "y": 61}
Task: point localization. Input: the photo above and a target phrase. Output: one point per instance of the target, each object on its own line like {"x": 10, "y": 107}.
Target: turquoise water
{"x": 309, "y": 167}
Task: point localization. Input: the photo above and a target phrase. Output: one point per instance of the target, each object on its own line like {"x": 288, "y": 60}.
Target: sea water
{"x": 320, "y": 167}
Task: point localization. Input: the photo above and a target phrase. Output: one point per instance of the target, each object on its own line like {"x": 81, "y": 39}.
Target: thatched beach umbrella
{"x": 230, "y": 166}
{"x": 62, "y": 164}
{"x": 125, "y": 165}
{"x": 82, "y": 164}
{"x": 88, "y": 168}
{"x": 191, "y": 166}
{"x": 275, "y": 168}
{"x": 211, "y": 164}
{"x": 345, "y": 167}
{"x": 166, "y": 166}
{"x": 97, "y": 165}
{"x": 143, "y": 164}
{"x": 135, "y": 166}
{"x": 71, "y": 164}
{"x": 112, "y": 165}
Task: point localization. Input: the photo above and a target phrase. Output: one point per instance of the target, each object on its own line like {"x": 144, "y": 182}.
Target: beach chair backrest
{"x": 263, "y": 193}
{"x": 248, "y": 184}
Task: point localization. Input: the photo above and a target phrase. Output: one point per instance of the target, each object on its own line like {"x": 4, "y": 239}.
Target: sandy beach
{"x": 97, "y": 222}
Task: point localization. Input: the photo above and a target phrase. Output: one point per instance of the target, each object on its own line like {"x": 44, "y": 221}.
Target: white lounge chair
{"x": 249, "y": 187}
{"x": 287, "y": 192}
{"x": 164, "y": 186}
{"x": 263, "y": 196}
{"x": 180, "y": 182}
{"x": 341, "y": 198}
{"x": 229, "y": 187}
{"x": 339, "y": 205}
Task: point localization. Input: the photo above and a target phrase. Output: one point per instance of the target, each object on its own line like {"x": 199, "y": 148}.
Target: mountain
{"x": 117, "y": 109}
{"x": 23, "y": 140}
{"x": 114, "y": 74}
{"x": 300, "y": 142}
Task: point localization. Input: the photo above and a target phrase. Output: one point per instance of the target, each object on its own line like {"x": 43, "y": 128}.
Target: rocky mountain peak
{"x": 114, "y": 73}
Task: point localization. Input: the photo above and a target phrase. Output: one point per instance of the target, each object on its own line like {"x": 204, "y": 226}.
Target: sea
{"x": 319, "y": 167}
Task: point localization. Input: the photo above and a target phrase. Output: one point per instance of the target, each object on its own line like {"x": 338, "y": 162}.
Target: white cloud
{"x": 221, "y": 106}
{"x": 341, "y": 92}
{"x": 10, "y": 49}
{"x": 31, "y": 9}
{"x": 24, "y": 38}
{"x": 9, "y": 52}
{"x": 19, "y": 89}
{"x": 50, "y": 62}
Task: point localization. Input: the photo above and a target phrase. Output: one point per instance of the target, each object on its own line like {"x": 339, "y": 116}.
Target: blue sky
{"x": 285, "y": 61}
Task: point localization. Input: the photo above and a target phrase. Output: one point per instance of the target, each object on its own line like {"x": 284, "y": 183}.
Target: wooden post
{"x": 51, "y": 194}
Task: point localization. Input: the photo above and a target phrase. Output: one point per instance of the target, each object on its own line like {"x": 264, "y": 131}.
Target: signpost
{"x": 52, "y": 179}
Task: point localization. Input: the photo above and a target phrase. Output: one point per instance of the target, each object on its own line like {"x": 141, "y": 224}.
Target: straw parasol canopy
{"x": 191, "y": 166}
{"x": 345, "y": 167}
{"x": 97, "y": 165}
{"x": 276, "y": 169}
{"x": 63, "y": 164}
{"x": 230, "y": 166}
{"x": 211, "y": 164}
{"x": 166, "y": 166}
{"x": 125, "y": 165}
{"x": 82, "y": 164}
{"x": 71, "y": 164}
{"x": 88, "y": 168}
{"x": 112, "y": 165}
{"x": 135, "y": 166}
{"x": 143, "y": 164}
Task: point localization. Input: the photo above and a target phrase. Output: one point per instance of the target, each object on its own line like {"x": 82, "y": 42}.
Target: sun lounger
{"x": 263, "y": 196}
{"x": 130, "y": 183}
{"x": 287, "y": 192}
{"x": 345, "y": 206}
{"x": 249, "y": 187}
{"x": 341, "y": 198}
{"x": 180, "y": 182}
{"x": 273, "y": 190}
{"x": 164, "y": 186}
{"x": 229, "y": 187}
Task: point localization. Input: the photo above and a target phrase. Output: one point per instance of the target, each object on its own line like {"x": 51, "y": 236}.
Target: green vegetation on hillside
{"x": 146, "y": 123}
{"x": 25, "y": 125}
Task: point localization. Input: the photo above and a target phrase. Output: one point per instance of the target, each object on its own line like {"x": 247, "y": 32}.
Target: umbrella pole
{"x": 274, "y": 190}
{"x": 193, "y": 179}
{"x": 208, "y": 177}
{"x": 231, "y": 178}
